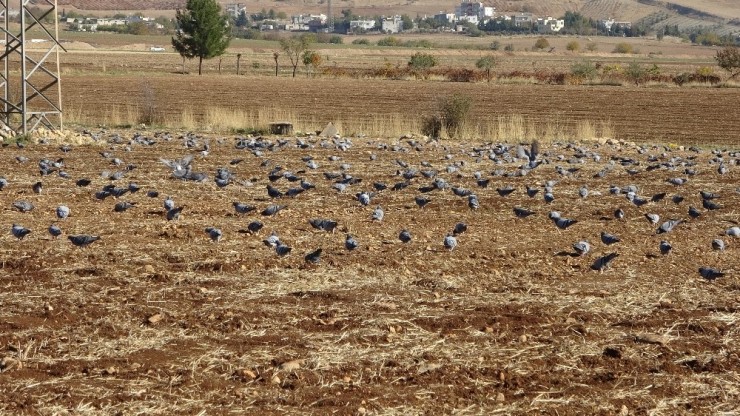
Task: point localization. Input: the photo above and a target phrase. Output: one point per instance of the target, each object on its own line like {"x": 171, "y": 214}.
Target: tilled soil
{"x": 155, "y": 318}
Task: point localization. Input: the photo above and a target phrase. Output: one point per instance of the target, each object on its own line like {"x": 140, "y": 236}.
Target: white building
{"x": 308, "y": 18}
{"x": 392, "y": 24}
{"x": 361, "y": 25}
{"x": 610, "y": 24}
{"x": 550, "y": 25}
{"x": 235, "y": 9}
{"x": 445, "y": 18}
{"x": 469, "y": 8}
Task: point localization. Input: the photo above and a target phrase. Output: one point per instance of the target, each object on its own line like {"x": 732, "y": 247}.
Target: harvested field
{"x": 672, "y": 115}
{"x": 155, "y": 318}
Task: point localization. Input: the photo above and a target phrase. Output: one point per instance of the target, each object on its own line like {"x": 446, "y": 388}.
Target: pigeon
{"x": 254, "y": 226}
{"x": 379, "y": 186}
{"x": 450, "y": 242}
{"x": 658, "y": 197}
{"x": 473, "y": 202}
{"x": 710, "y": 273}
{"x": 272, "y": 210}
{"x": 733, "y": 231}
{"x": 272, "y": 240}
{"x": 174, "y": 213}
{"x": 404, "y": 236}
{"x": 314, "y": 256}
{"x": 609, "y": 239}
{"x": 603, "y": 262}
{"x": 242, "y": 208}
{"x": 460, "y": 228}
{"x": 364, "y": 198}
{"x": 560, "y": 222}
{"x": 323, "y": 224}
{"x": 677, "y": 181}
{"x": 652, "y": 218}
{"x": 133, "y": 188}
{"x": 665, "y": 247}
{"x": 718, "y": 244}
{"x": 214, "y": 233}
{"x": 667, "y": 226}
{"x": 123, "y": 206}
{"x": 19, "y": 231}
{"x": 282, "y": 250}
{"x": 421, "y": 201}
{"x": 710, "y": 205}
{"x": 694, "y": 213}
{"x": 62, "y": 212}
{"x": 522, "y": 212}
{"x": 169, "y": 203}
{"x": 583, "y": 192}
{"x": 619, "y": 214}
{"x": 582, "y": 247}
{"x": 677, "y": 199}
{"x": 3, "y": 183}
{"x": 23, "y": 206}
{"x": 461, "y": 192}
{"x": 505, "y": 191}
{"x": 378, "y": 213}
{"x": 350, "y": 243}
{"x": 532, "y": 192}
{"x": 38, "y": 187}
{"x": 708, "y": 195}
{"x": 152, "y": 194}
{"x": 549, "y": 197}
{"x": 83, "y": 240}
{"x": 273, "y": 192}
{"x": 55, "y": 231}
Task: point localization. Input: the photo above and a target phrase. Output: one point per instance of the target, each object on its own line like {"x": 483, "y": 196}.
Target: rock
{"x": 291, "y": 365}
{"x": 500, "y": 398}
{"x": 275, "y": 379}
{"x": 154, "y": 319}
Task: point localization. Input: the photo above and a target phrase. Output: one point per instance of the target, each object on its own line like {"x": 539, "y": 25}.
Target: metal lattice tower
{"x": 30, "y": 65}
{"x": 330, "y": 17}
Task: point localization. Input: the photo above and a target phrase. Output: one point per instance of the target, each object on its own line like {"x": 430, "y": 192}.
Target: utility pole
{"x": 30, "y": 67}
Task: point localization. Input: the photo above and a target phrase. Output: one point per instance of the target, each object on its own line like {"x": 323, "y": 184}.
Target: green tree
{"x": 486, "y": 63}
{"x": 541, "y": 44}
{"x": 408, "y": 24}
{"x": 242, "y": 20}
{"x": 422, "y": 61}
{"x": 203, "y": 32}
{"x": 294, "y": 48}
{"x": 312, "y": 60}
{"x": 729, "y": 59}
{"x": 635, "y": 72}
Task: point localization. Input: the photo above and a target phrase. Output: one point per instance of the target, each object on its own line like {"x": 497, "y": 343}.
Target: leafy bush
{"x": 389, "y": 41}
{"x": 541, "y": 44}
{"x": 509, "y": 47}
{"x": 635, "y": 72}
{"x": 422, "y": 61}
{"x": 584, "y": 70}
{"x": 455, "y": 112}
{"x": 729, "y": 59}
{"x": 495, "y": 45}
{"x": 573, "y": 46}
{"x": 361, "y": 41}
{"x": 592, "y": 47}
{"x": 623, "y": 47}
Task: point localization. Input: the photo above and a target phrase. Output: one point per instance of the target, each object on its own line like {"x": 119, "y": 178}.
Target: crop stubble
{"x": 499, "y": 323}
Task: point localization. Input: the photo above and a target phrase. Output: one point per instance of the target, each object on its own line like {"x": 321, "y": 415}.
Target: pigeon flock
{"x": 563, "y": 191}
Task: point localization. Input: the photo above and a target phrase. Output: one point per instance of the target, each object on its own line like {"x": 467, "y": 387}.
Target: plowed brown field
{"x": 157, "y": 319}
{"x": 671, "y": 115}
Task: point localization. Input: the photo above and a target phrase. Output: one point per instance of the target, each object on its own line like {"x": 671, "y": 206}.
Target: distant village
{"x": 468, "y": 16}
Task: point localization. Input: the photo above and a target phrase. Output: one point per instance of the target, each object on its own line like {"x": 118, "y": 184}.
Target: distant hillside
{"x": 722, "y": 15}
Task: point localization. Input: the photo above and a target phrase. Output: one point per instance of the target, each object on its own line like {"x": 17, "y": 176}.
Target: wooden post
{"x": 183, "y": 64}
{"x": 276, "y": 56}
{"x": 238, "y": 59}
{"x": 219, "y": 65}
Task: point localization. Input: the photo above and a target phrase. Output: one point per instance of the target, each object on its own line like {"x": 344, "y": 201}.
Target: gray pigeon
{"x": 506, "y": 190}
{"x": 582, "y": 247}
{"x": 404, "y": 236}
{"x": 522, "y": 212}
{"x": 350, "y": 243}
{"x": 450, "y": 242}
{"x": 710, "y": 273}
{"x": 460, "y": 228}
{"x": 214, "y": 233}
{"x": 560, "y": 222}
{"x": 421, "y": 201}
{"x": 609, "y": 239}
{"x": 282, "y": 250}
{"x": 254, "y": 226}
{"x": 733, "y": 231}
{"x": 62, "y": 212}
{"x": 23, "y": 206}
{"x": 83, "y": 240}
{"x": 653, "y": 218}
{"x": 718, "y": 244}
{"x": 364, "y": 198}
{"x": 123, "y": 206}
{"x": 378, "y": 213}
{"x": 19, "y": 231}
{"x": 583, "y": 192}
{"x": 174, "y": 213}
{"x": 323, "y": 224}
{"x": 272, "y": 240}
{"x": 55, "y": 231}
{"x": 694, "y": 213}
{"x": 242, "y": 208}
{"x": 169, "y": 203}
{"x": 667, "y": 226}
{"x": 665, "y": 247}
{"x": 473, "y": 202}
{"x": 272, "y": 210}
{"x": 603, "y": 262}
{"x": 38, "y": 187}
{"x": 314, "y": 256}
{"x": 619, "y": 214}
{"x": 3, "y": 183}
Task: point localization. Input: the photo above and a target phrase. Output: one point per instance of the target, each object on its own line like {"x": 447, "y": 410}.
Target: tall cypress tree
{"x": 202, "y": 31}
